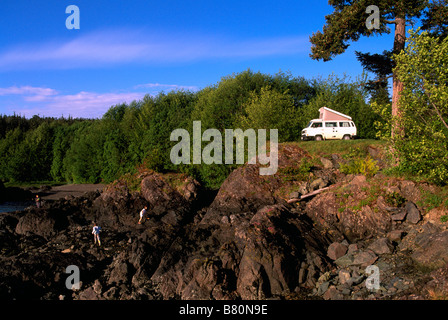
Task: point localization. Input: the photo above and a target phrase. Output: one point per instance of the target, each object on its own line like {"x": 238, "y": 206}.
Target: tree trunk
{"x": 399, "y": 44}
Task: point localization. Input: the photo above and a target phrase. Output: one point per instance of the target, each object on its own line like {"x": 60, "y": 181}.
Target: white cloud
{"x": 27, "y": 90}
{"x": 125, "y": 46}
{"x": 49, "y": 102}
{"x": 29, "y": 100}
{"x": 167, "y": 87}
{"x": 87, "y": 104}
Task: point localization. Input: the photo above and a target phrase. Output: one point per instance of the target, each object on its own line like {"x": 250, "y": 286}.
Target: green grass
{"x": 342, "y": 147}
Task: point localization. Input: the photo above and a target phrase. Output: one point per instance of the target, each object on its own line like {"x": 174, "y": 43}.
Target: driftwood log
{"x": 307, "y": 195}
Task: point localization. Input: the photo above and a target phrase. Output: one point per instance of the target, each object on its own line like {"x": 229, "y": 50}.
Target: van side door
{"x": 331, "y": 130}
{"x": 345, "y": 128}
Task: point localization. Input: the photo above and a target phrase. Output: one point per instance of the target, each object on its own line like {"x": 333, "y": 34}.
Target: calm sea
{"x": 14, "y": 206}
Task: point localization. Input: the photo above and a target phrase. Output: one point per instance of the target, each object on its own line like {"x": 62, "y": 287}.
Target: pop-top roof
{"x": 330, "y": 114}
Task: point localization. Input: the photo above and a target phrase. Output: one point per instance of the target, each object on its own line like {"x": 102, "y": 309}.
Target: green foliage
{"x": 342, "y": 95}
{"x": 297, "y": 173}
{"x": 366, "y": 166}
{"x": 436, "y": 19}
{"x": 135, "y": 135}
{"x": 348, "y": 23}
{"x": 383, "y": 121}
{"x": 394, "y": 199}
{"x": 423, "y": 69}
{"x": 271, "y": 109}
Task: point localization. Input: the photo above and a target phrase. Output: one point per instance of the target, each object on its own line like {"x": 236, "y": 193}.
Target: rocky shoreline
{"x": 243, "y": 242}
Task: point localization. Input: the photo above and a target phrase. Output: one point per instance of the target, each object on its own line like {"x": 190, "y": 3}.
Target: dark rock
{"x": 252, "y": 251}
{"x": 345, "y": 260}
{"x": 41, "y": 222}
{"x": 323, "y": 209}
{"x": 14, "y": 194}
{"x": 381, "y": 246}
{"x": 336, "y": 250}
{"x": 432, "y": 249}
{"x": 332, "y": 294}
{"x": 399, "y": 216}
{"x": 364, "y": 258}
{"x": 413, "y": 214}
{"x": 395, "y": 235}
{"x": 245, "y": 243}
{"x": 191, "y": 189}
{"x": 89, "y": 294}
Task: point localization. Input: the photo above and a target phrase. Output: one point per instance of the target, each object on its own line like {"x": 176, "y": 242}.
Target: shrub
{"x": 366, "y": 166}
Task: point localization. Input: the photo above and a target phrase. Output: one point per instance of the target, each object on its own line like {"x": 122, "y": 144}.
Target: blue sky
{"x": 126, "y": 49}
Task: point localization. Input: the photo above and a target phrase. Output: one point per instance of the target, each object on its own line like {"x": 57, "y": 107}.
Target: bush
{"x": 366, "y": 166}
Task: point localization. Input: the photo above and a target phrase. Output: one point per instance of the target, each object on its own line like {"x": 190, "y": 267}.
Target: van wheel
{"x": 347, "y": 137}
{"x": 318, "y": 138}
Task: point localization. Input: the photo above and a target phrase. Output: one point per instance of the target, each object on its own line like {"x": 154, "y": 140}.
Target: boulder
{"x": 412, "y": 213}
{"x": 41, "y": 222}
{"x": 431, "y": 249}
{"x": 400, "y": 215}
{"x": 328, "y": 164}
{"x": 395, "y": 235}
{"x": 336, "y": 250}
{"x": 324, "y": 210}
{"x": 364, "y": 258}
{"x": 381, "y": 246}
{"x": 252, "y": 256}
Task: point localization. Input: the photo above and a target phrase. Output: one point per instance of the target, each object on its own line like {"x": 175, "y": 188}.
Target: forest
{"x": 71, "y": 150}
{"x": 129, "y": 136}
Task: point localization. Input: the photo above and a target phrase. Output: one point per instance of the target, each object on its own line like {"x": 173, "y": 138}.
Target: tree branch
{"x": 435, "y": 107}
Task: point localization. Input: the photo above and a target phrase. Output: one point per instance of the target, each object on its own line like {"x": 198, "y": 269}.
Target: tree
{"x": 348, "y": 23}
{"x": 381, "y": 66}
{"x": 272, "y": 110}
{"x": 345, "y": 96}
{"x": 423, "y": 69}
{"x": 436, "y": 19}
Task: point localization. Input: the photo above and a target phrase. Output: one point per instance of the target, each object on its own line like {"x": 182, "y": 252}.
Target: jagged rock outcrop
{"x": 243, "y": 242}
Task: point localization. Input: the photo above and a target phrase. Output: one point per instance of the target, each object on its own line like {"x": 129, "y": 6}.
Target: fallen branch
{"x": 307, "y": 195}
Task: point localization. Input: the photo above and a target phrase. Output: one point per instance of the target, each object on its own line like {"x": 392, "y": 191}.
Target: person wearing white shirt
{"x": 142, "y": 214}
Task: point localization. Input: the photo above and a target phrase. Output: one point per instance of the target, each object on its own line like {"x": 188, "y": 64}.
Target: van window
{"x": 316, "y": 125}
{"x": 331, "y": 124}
{"x": 344, "y": 124}
{"x": 352, "y": 124}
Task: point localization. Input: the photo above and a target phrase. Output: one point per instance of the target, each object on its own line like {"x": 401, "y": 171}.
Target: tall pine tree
{"x": 348, "y": 23}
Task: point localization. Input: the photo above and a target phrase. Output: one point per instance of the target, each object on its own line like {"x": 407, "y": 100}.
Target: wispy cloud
{"x": 27, "y": 90}
{"x": 49, "y": 102}
{"x": 125, "y": 46}
{"x": 29, "y": 100}
{"x": 85, "y": 104}
{"x": 167, "y": 87}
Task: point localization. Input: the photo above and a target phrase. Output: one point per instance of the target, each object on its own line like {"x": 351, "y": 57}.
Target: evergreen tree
{"x": 348, "y": 23}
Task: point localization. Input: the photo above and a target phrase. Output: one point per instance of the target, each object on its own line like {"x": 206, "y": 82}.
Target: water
{"x": 14, "y": 206}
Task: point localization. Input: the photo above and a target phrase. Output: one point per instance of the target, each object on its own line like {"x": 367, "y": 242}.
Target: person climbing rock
{"x": 142, "y": 214}
{"x": 96, "y": 234}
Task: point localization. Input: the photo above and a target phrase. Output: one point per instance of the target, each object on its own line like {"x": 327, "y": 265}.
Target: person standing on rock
{"x": 142, "y": 214}
{"x": 37, "y": 200}
{"x": 96, "y": 234}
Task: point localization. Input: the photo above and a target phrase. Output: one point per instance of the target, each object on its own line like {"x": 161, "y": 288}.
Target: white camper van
{"x": 330, "y": 125}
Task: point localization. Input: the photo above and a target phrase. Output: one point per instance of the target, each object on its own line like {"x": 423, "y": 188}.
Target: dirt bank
{"x": 75, "y": 190}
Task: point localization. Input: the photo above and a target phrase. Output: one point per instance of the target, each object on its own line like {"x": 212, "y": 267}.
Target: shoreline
{"x": 67, "y": 190}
